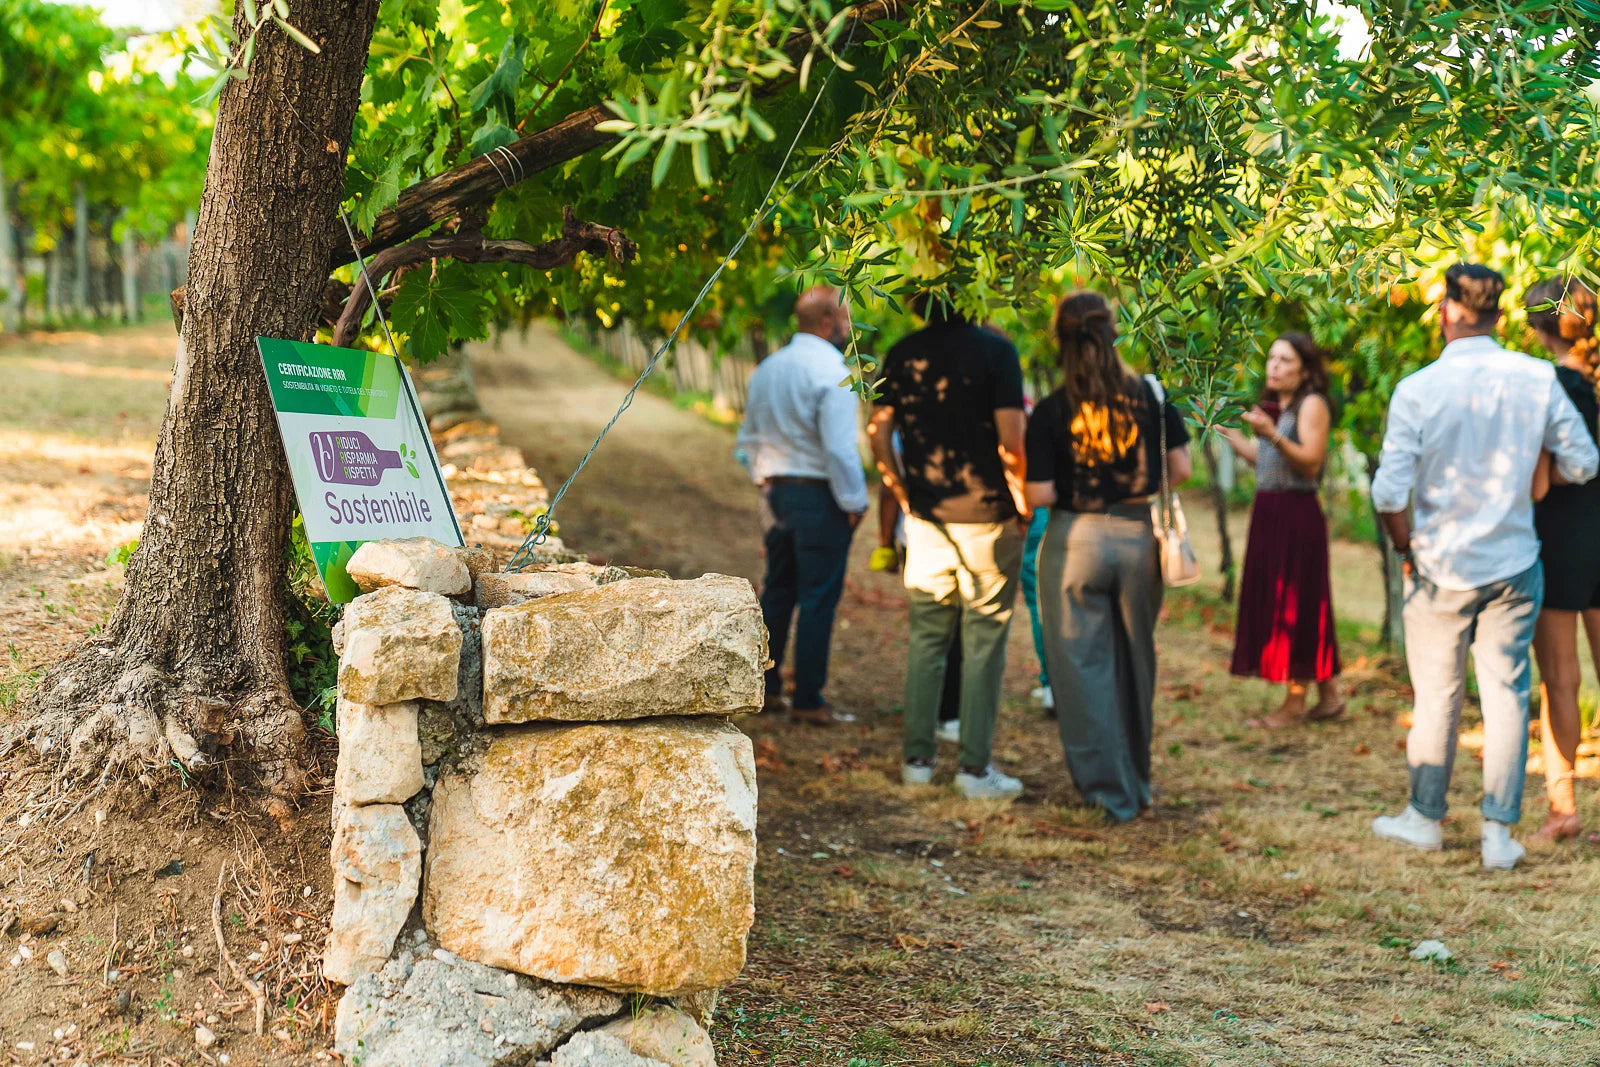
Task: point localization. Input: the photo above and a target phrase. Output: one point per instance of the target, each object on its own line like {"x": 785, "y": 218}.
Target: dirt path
{"x": 663, "y": 490}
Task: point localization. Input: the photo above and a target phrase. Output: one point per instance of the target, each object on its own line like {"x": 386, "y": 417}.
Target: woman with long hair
{"x": 1562, "y": 313}
{"x": 1095, "y": 460}
{"x": 1285, "y": 630}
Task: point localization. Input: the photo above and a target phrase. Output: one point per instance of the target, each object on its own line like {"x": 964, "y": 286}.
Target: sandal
{"x": 1321, "y": 713}
{"x": 1560, "y": 828}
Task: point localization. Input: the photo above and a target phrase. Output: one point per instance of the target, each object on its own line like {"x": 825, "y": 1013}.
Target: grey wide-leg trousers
{"x": 1099, "y": 594}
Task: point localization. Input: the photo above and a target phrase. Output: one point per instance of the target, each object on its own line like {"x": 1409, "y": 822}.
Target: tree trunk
{"x": 10, "y": 263}
{"x": 192, "y": 661}
{"x": 1219, "y": 501}
{"x": 80, "y": 250}
{"x": 1393, "y": 634}
{"x": 52, "y": 287}
{"x": 130, "y": 274}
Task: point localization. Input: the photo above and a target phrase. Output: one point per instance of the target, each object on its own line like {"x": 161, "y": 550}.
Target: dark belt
{"x": 786, "y": 479}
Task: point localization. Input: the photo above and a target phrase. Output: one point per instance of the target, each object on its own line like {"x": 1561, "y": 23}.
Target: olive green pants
{"x": 959, "y": 576}
{"x": 1099, "y": 595}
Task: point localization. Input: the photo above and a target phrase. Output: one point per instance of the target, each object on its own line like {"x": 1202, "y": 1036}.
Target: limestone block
{"x": 478, "y": 560}
{"x": 627, "y": 650}
{"x": 377, "y": 860}
{"x": 594, "y": 1048}
{"x": 660, "y": 1033}
{"x": 380, "y": 754}
{"x": 413, "y": 562}
{"x": 442, "y": 1011}
{"x": 502, "y": 589}
{"x": 698, "y": 1006}
{"x": 399, "y": 644}
{"x": 619, "y": 855}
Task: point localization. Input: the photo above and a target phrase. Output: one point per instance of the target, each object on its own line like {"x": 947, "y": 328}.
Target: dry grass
{"x": 1253, "y": 921}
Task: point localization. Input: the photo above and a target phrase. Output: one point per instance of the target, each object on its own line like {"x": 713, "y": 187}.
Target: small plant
{"x": 163, "y": 1005}
{"x": 308, "y": 624}
{"x": 120, "y": 555}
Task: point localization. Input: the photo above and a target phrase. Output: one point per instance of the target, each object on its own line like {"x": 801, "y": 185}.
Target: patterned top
{"x": 1273, "y": 472}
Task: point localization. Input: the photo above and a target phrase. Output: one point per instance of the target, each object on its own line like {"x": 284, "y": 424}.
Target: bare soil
{"x": 1252, "y": 921}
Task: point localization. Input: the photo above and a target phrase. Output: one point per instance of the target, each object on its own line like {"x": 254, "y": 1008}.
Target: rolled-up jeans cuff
{"x": 1509, "y": 816}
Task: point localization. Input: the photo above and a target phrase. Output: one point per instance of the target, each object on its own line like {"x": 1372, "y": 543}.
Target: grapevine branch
{"x": 576, "y": 238}
{"x": 481, "y": 179}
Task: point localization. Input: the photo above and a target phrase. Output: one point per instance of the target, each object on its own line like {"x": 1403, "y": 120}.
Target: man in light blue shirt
{"x": 1463, "y": 439}
{"x": 800, "y": 433}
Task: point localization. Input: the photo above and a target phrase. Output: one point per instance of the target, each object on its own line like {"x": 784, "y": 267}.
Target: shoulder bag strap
{"x": 1161, "y": 420}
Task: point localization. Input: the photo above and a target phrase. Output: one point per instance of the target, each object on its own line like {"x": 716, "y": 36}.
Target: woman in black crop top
{"x": 1566, "y": 518}
{"x": 1094, "y": 458}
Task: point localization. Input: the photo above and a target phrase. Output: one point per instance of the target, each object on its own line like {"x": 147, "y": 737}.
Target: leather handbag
{"x": 1179, "y": 567}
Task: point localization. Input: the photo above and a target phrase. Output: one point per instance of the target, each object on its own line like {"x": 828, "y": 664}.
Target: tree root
{"x": 103, "y": 709}
{"x": 253, "y": 988}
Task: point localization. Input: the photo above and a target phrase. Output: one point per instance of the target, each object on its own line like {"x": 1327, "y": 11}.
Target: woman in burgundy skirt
{"x": 1285, "y": 630}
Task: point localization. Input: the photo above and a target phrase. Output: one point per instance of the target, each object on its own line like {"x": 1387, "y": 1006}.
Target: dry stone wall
{"x": 544, "y": 822}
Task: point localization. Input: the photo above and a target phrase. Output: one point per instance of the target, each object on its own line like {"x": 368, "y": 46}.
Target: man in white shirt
{"x": 800, "y": 435}
{"x": 1463, "y": 438}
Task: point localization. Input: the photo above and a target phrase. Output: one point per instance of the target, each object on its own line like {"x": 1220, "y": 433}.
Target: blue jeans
{"x": 1030, "y": 585}
{"x": 1496, "y": 623}
{"x": 808, "y": 550}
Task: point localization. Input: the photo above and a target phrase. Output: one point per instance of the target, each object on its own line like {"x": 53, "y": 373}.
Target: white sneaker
{"x": 1500, "y": 852}
{"x": 1045, "y": 697}
{"x": 916, "y": 773}
{"x": 990, "y": 785}
{"x": 949, "y": 731}
{"x": 1410, "y": 827}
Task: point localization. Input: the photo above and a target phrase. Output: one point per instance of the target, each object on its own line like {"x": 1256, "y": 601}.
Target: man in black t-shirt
{"x": 953, "y": 391}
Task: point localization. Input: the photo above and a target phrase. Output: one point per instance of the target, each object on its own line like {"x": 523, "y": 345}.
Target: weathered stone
{"x": 478, "y": 560}
{"x": 698, "y": 1006}
{"x": 502, "y": 589}
{"x": 628, "y": 650}
{"x": 412, "y": 562}
{"x": 594, "y": 1048}
{"x": 377, "y": 860}
{"x": 663, "y": 1034}
{"x": 399, "y": 644}
{"x": 623, "y": 574}
{"x": 380, "y": 754}
{"x": 454, "y": 1013}
{"x": 617, "y": 855}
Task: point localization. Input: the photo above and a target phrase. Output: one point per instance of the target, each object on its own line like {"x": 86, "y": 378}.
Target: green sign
{"x": 362, "y": 460}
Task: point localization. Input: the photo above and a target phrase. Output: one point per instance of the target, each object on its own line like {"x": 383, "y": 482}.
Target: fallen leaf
{"x": 1362, "y": 749}
{"x": 844, "y": 870}
{"x": 768, "y": 758}
{"x": 1156, "y": 1007}
{"x": 834, "y": 762}
{"x": 907, "y": 943}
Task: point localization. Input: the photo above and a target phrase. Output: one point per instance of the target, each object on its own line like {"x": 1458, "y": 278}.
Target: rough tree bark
{"x": 191, "y": 665}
